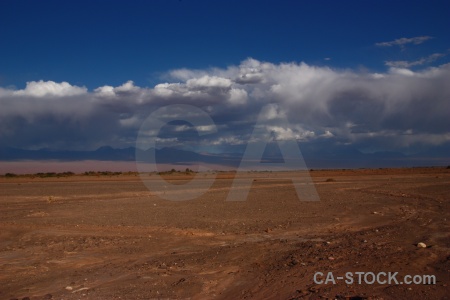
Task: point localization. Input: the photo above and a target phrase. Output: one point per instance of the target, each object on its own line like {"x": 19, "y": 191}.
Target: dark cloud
{"x": 393, "y": 110}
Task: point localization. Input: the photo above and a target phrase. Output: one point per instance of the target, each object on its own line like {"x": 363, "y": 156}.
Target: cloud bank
{"x": 399, "y": 109}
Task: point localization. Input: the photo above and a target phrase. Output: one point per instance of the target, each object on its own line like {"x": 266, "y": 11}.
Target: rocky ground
{"x": 109, "y": 237}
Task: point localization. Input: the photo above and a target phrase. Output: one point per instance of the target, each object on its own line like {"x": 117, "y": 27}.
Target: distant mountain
{"x": 102, "y": 153}
{"x": 107, "y": 153}
{"x": 314, "y": 155}
{"x": 177, "y": 156}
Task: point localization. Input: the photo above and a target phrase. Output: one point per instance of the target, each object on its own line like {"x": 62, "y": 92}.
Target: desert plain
{"x": 109, "y": 237}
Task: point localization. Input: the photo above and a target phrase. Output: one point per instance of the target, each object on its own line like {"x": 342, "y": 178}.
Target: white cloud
{"x": 169, "y": 141}
{"x": 182, "y": 128}
{"x": 327, "y": 134}
{"x": 126, "y": 87}
{"x": 401, "y": 71}
{"x": 283, "y": 134}
{"x": 166, "y": 89}
{"x": 238, "y": 97}
{"x": 228, "y": 140}
{"x": 407, "y": 64}
{"x": 403, "y": 41}
{"x": 106, "y": 90}
{"x": 110, "y": 91}
{"x": 204, "y": 89}
{"x": 208, "y": 82}
{"x": 206, "y": 128}
{"x": 271, "y": 112}
{"x": 251, "y": 77}
{"x": 50, "y": 88}
{"x": 186, "y": 74}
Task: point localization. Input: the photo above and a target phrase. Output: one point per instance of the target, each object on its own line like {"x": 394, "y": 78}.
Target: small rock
{"x": 365, "y": 241}
{"x": 179, "y": 281}
{"x": 331, "y": 258}
{"x": 163, "y": 266}
{"x": 69, "y": 288}
{"x": 421, "y": 245}
{"x": 48, "y": 296}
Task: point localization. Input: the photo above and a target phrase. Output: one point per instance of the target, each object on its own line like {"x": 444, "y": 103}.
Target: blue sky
{"x": 94, "y": 43}
{"x": 372, "y": 75}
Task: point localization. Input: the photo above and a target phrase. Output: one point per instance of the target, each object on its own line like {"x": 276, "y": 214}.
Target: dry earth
{"x": 104, "y": 237}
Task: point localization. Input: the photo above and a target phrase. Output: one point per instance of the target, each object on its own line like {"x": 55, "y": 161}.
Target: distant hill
{"x": 315, "y": 157}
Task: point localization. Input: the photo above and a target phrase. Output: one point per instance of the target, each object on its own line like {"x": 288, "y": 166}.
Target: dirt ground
{"x": 109, "y": 237}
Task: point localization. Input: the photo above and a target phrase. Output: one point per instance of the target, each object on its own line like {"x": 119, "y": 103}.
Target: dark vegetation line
{"x": 172, "y": 171}
{"x": 89, "y": 173}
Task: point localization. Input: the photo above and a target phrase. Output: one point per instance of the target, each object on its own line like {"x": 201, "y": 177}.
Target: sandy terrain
{"x": 108, "y": 237}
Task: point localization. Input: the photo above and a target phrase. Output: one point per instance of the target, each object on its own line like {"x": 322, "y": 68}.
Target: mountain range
{"x": 322, "y": 157}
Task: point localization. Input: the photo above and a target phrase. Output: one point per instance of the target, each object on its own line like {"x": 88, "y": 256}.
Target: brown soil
{"x": 110, "y": 238}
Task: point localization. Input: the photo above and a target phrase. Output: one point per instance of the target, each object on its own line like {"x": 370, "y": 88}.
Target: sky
{"x": 84, "y": 74}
